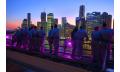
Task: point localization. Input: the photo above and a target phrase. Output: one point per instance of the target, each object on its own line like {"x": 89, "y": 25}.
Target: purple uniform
{"x": 55, "y": 33}
{"x": 95, "y": 45}
{"x": 106, "y": 36}
{"x": 50, "y": 39}
{"x": 41, "y": 34}
{"x": 80, "y": 35}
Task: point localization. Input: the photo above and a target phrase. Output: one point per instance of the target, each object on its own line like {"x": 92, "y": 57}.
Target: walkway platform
{"x": 37, "y": 63}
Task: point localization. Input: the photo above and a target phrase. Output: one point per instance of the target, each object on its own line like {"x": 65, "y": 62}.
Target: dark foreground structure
{"x": 21, "y": 60}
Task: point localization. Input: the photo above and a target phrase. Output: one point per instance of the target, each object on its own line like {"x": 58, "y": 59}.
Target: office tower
{"x": 109, "y": 21}
{"x": 24, "y": 23}
{"x": 82, "y": 17}
{"x": 92, "y": 20}
{"x": 64, "y": 22}
{"x": 60, "y": 26}
{"x": 68, "y": 30}
{"x": 105, "y": 17}
{"x": 82, "y": 11}
{"x": 50, "y": 21}
{"x": 113, "y": 24}
{"x": 80, "y": 22}
{"x": 38, "y": 25}
{"x": 29, "y": 19}
{"x": 83, "y": 23}
{"x": 43, "y": 16}
{"x": 43, "y": 21}
{"x": 55, "y": 21}
{"x": 77, "y": 20}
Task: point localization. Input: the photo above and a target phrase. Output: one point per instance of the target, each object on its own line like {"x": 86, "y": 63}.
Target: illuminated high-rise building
{"x": 105, "y": 17}
{"x": 77, "y": 22}
{"x": 109, "y": 21}
{"x": 24, "y": 23}
{"x": 43, "y": 16}
{"x": 50, "y": 21}
{"x": 68, "y": 29}
{"x": 64, "y": 23}
{"x": 80, "y": 22}
{"x": 92, "y": 20}
{"x": 38, "y": 25}
{"x": 82, "y": 11}
{"x": 29, "y": 19}
{"x": 43, "y": 21}
{"x": 82, "y": 16}
{"x": 55, "y": 21}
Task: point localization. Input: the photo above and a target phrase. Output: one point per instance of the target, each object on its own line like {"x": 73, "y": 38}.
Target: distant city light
{"x": 7, "y": 37}
{"x": 69, "y": 43}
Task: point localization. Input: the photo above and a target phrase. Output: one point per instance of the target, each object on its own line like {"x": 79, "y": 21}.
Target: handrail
{"x": 86, "y": 47}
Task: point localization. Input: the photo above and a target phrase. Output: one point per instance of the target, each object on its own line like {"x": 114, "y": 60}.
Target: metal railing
{"x": 86, "y": 47}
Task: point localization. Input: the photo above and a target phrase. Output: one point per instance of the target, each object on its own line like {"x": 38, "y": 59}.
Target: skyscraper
{"x": 50, "y": 21}
{"x": 24, "y": 23}
{"x": 92, "y": 20}
{"x": 77, "y": 22}
{"x": 82, "y": 11}
{"x": 64, "y": 23}
{"x": 43, "y": 21}
{"x": 43, "y": 16}
{"x": 109, "y": 21}
{"x": 29, "y": 19}
{"x": 82, "y": 16}
{"x": 68, "y": 29}
{"x": 105, "y": 17}
{"x": 38, "y": 24}
{"x": 55, "y": 21}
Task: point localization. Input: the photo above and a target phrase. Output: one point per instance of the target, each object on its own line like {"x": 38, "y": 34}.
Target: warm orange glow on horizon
{"x": 12, "y": 24}
{"x": 15, "y": 24}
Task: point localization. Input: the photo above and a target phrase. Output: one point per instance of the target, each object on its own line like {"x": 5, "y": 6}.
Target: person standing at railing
{"x": 56, "y": 38}
{"x": 73, "y": 41}
{"x": 80, "y": 35}
{"x": 19, "y": 38}
{"x": 50, "y": 39}
{"x": 30, "y": 39}
{"x": 106, "y": 38}
{"x": 95, "y": 45}
{"x": 25, "y": 37}
{"x": 14, "y": 39}
{"x": 41, "y": 39}
{"x": 33, "y": 34}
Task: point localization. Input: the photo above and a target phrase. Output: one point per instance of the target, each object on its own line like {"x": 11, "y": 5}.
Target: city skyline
{"x": 17, "y": 10}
